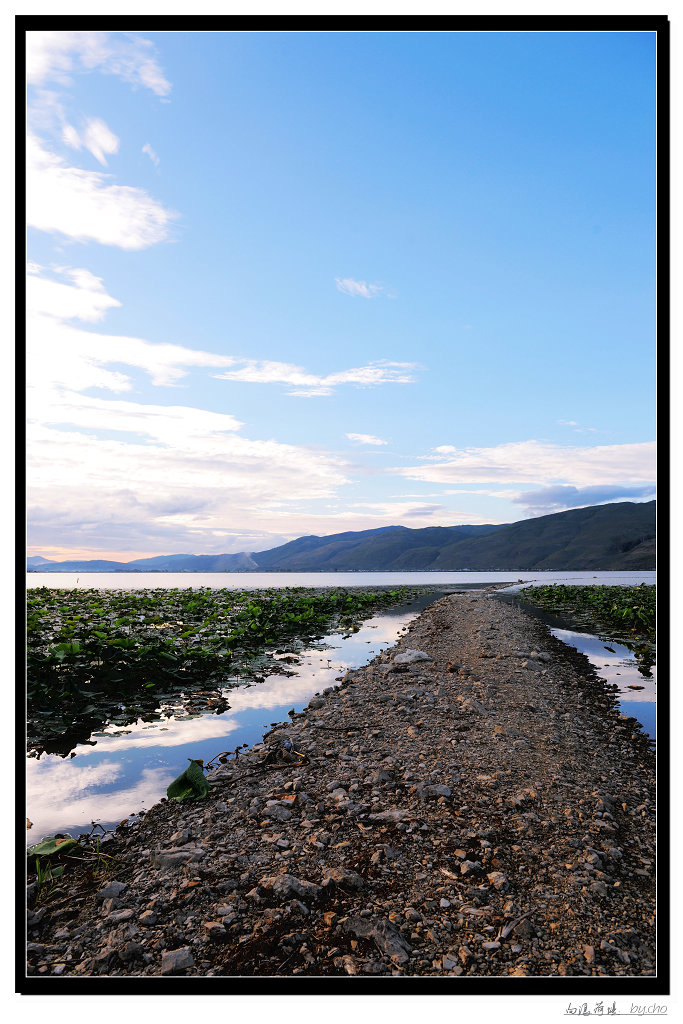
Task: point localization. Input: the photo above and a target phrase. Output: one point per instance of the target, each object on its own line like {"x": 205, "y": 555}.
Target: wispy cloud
{"x": 160, "y": 476}
{"x": 56, "y": 56}
{"x": 360, "y": 289}
{"x": 578, "y": 429}
{"x": 151, "y": 154}
{"x": 413, "y": 514}
{"x": 87, "y": 206}
{"x": 63, "y": 354}
{"x": 309, "y": 385}
{"x": 538, "y": 462}
{"x": 99, "y": 139}
{"x": 366, "y": 439}
{"x": 564, "y": 496}
{"x": 96, "y": 136}
{"x": 73, "y": 293}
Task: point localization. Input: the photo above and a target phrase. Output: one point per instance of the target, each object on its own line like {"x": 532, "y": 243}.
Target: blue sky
{"x": 294, "y": 283}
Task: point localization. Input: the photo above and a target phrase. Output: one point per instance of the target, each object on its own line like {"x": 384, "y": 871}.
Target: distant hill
{"x": 391, "y": 547}
{"x": 600, "y": 537}
{"x": 240, "y": 562}
{"x": 617, "y": 536}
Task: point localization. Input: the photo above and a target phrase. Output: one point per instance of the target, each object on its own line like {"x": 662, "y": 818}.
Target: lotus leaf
{"x": 190, "y": 784}
{"x": 51, "y": 846}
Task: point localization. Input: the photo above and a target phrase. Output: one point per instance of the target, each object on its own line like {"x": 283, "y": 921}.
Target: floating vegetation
{"x": 46, "y": 874}
{"x": 626, "y": 615}
{"x": 107, "y": 658}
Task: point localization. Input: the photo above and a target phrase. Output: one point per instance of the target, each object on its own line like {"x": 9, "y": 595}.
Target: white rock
{"x": 410, "y": 657}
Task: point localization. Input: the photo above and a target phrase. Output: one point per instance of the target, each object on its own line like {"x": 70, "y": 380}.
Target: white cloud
{"x": 366, "y": 439}
{"x": 565, "y": 496}
{"x": 151, "y": 154}
{"x": 187, "y": 477}
{"x": 539, "y": 463}
{"x": 71, "y": 137}
{"x": 61, "y": 354}
{"x": 357, "y": 289}
{"x": 99, "y": 139}
{"x": 86, "y": 206}
{"x": 124, "y": 474}
{"x": 84, "y": 299}
{"x": 308, "y": 385}
{"x": 54, "y": 56}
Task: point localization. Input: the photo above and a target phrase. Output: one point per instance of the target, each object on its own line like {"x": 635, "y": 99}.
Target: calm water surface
{"x": 127, "y": 769}
{"x": 258, "y": 580}
{"x": 614, "y": 662}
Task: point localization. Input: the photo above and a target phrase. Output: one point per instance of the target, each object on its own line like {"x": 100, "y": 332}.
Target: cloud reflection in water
{"x": 130, "y": 767}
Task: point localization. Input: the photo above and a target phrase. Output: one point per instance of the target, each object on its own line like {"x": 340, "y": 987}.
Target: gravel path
{"x": 481, "y": 810}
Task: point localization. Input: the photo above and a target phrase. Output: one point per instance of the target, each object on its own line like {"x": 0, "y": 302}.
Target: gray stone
{"x": 110, "y": 890}
{"x": 287, "y": 887}
{"x": 34, "y": 917}
{"x": 499, "y": 881}
{"x": 176, "y": 960}
{"x": 386, "y": 937}
{"x": 118, "y": 916}
{"x": 277, "y": 812}
{"x": 131, "y": 951}
{"x": 343, "y": 878}
{"x": 470, "y": 867}
{"x": 436, "y": 791}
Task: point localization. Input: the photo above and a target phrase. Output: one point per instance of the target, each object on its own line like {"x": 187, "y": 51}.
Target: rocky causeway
{"x": 470, "y": 803}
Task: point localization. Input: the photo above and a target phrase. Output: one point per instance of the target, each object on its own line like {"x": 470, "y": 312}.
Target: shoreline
{"x": 484, "y": 812}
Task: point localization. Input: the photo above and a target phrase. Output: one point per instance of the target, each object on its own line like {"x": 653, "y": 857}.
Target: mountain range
{"x": 608, "y": 537}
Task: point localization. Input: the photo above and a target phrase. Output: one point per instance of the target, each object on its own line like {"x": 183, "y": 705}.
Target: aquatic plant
{"x": 627, "y": 615}
{"x": 97, "y": 658}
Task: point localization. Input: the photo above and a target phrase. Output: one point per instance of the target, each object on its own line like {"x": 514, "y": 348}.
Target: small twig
{"x": 504, "y": 932}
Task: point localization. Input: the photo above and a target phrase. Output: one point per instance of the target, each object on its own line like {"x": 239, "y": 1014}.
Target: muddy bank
{"x": 481, "y": 809}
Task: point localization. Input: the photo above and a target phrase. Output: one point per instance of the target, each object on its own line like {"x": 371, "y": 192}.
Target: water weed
{"x": 627, "y": 615}
{"x": 98, "y": 658}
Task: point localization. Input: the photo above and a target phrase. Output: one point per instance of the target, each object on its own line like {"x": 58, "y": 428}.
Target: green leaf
{"x": 51, "y": 847}
{"x": 190, "y": 784}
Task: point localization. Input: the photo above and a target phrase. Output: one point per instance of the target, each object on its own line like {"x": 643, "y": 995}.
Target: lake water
{"x": 615, "y": 663}
{"x": 259, "y": 580}
{"x": 127, "y": 769}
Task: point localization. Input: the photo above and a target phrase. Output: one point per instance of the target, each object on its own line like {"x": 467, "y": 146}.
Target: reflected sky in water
{"x": 619, "y": 666}
{"x": 129, "y": 767}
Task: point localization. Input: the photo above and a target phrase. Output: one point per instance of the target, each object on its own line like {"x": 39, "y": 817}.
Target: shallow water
{"x": 127, "y": 769}
{"x": 614, "y": 662}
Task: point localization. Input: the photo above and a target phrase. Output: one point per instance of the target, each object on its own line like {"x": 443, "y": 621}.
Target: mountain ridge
{"x": 621, "y": 535}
